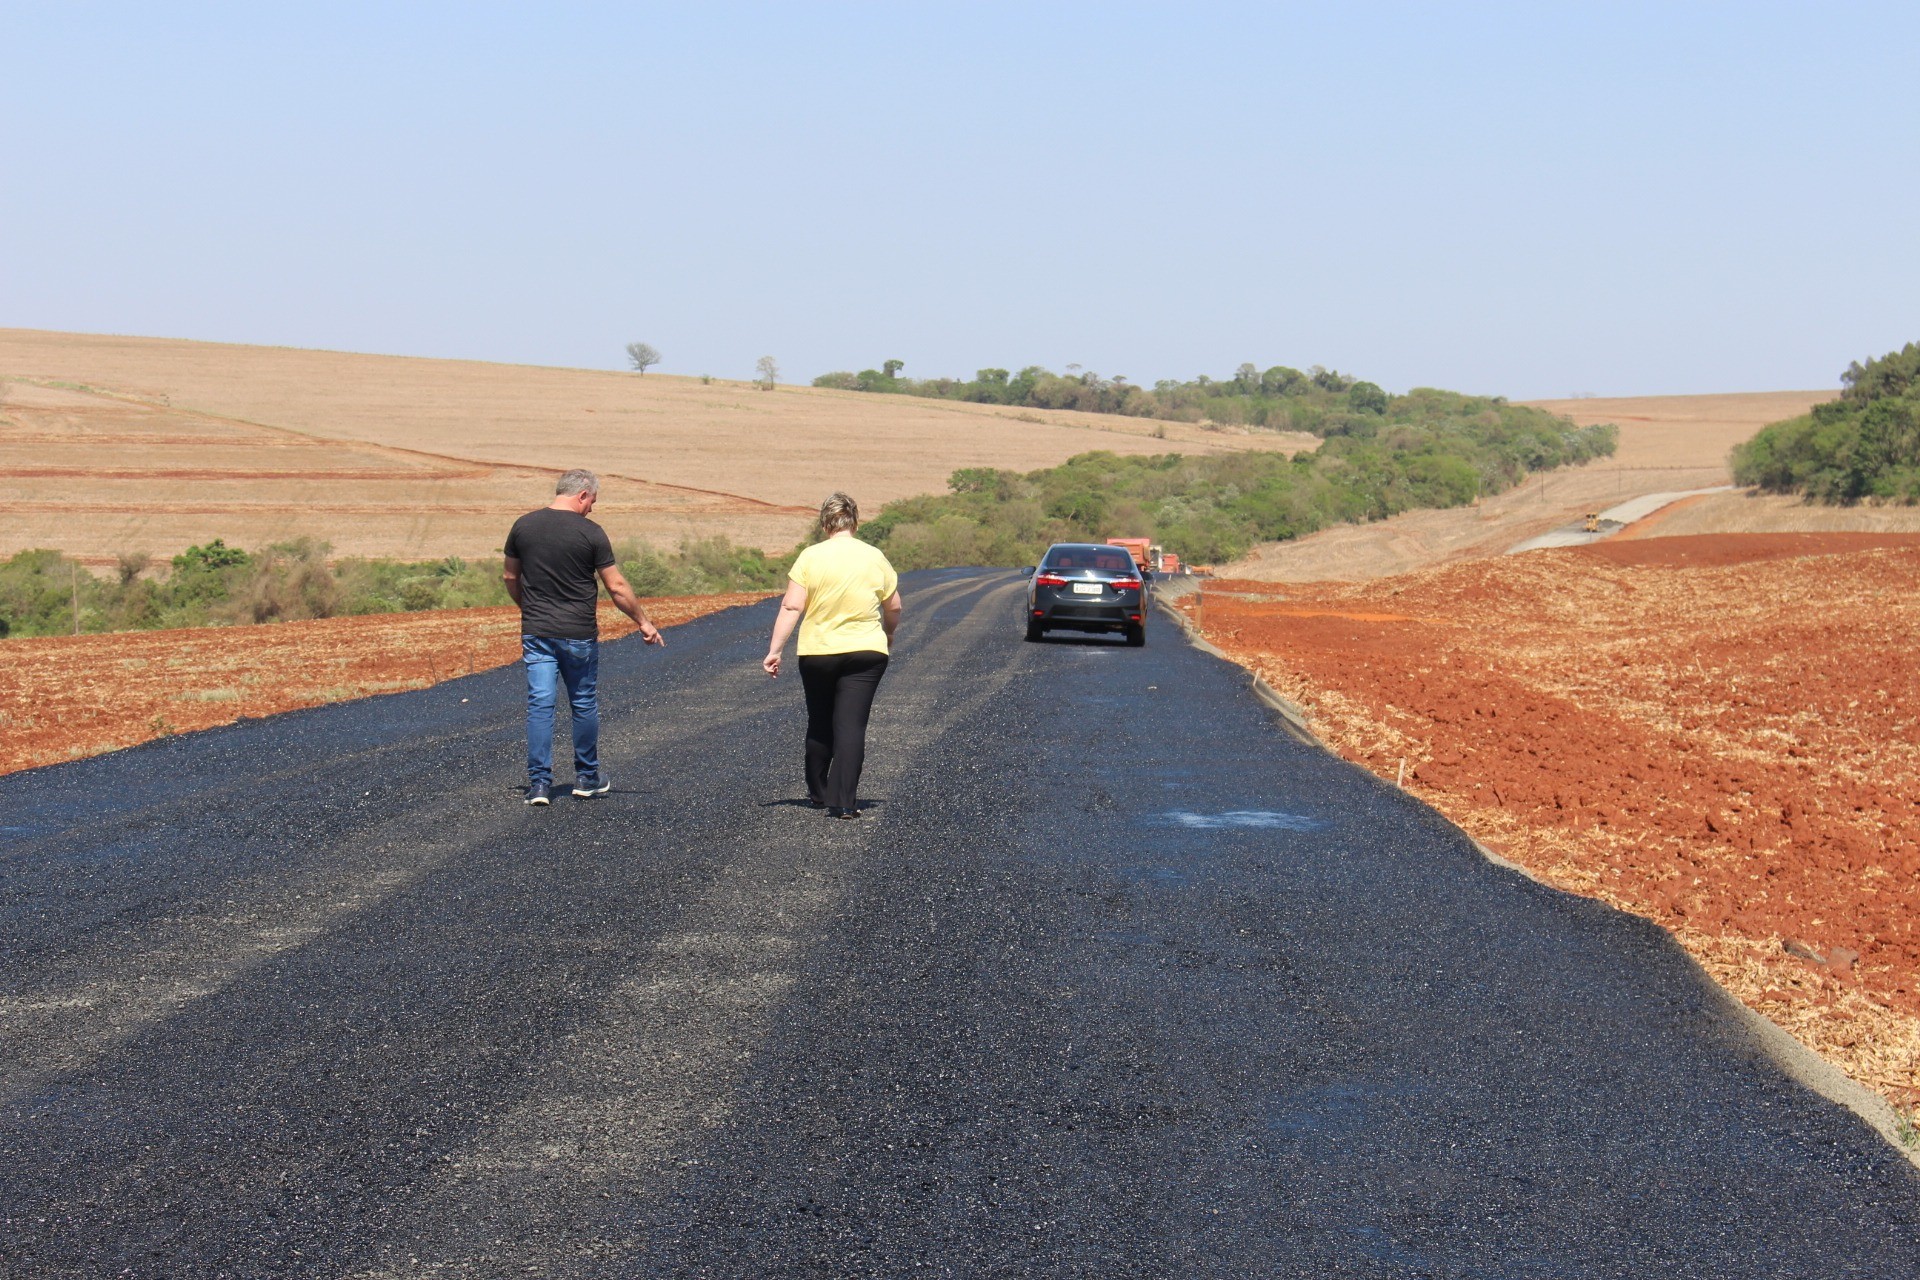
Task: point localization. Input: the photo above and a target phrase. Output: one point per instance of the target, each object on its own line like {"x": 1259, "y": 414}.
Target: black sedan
{"x": 1084, "y": 586}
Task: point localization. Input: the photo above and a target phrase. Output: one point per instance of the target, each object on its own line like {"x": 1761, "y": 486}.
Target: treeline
{"x": 1317, "y": 400}
{"x": 44, "y": 592}
{"x": 1863, "y": 446}
{"x": 1424, "y": 449}
{"x": 1380, "y": 455}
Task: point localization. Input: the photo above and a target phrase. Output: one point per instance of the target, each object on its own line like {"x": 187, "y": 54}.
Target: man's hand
{"x": 626, "y": 602}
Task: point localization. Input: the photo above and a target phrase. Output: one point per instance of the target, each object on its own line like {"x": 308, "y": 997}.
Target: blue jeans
{"x": 550, "y": 662}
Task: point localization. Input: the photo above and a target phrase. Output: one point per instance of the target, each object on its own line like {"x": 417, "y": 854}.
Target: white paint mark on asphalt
{"x": 1244, "y": 818}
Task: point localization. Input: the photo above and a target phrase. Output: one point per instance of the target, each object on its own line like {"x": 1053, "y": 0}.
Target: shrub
{"x": 1863, "y": 446}
{"x": 1426, "y": 449}
{"x": 217, "y": 584}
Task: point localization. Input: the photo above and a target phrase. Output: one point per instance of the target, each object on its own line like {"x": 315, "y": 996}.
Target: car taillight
{"x": 1048, "y": 580}
{"x": 1126, "y": 584}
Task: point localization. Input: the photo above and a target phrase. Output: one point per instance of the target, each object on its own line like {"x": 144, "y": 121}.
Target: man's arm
{"x": 792, "y": 605}
{"x": 511, "y": 576}
{"x": 626, "y": 602}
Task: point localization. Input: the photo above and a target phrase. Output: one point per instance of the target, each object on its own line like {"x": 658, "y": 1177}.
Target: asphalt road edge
{"x": 1796, "y": 1059}
{"x": 1291, "y": 712}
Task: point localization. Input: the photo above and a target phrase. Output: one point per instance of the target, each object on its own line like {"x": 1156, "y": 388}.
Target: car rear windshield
{"x": 1108, "y": 561}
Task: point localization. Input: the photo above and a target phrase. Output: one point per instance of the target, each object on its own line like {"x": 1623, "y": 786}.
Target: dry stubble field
{"x": 111, "y": 445}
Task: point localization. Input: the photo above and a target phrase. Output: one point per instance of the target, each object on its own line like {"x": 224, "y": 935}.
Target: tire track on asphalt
{"x": 312, "y": 1034}
{"x": 83, "y": 1006}
{"x": 69, "y": 1012}
{"x": 539, "y": 1192}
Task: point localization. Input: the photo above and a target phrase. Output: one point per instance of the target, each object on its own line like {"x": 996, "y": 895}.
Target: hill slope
{"x": 1667, "y": 444}
{"x": 417, "y": 457}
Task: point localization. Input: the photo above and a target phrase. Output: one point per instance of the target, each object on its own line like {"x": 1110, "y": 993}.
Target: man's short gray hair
{"x": 577, "y": 481}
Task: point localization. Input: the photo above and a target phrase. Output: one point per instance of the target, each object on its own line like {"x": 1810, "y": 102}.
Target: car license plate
{"x": 1086, "y": 588}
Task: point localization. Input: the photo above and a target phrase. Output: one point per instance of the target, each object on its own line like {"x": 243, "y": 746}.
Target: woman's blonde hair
{"x": 838, "y": 512}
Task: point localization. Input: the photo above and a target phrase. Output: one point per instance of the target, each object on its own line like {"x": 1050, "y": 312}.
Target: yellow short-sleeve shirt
{"x": 846, "y": 580}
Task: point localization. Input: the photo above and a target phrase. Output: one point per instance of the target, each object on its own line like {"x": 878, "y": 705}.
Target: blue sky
{"x": 1531, "y": 199}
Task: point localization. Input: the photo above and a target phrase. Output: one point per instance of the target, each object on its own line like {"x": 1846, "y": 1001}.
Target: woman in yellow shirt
{"x": 845, "y": 598}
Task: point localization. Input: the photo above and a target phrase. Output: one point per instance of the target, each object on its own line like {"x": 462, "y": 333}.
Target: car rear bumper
{"x": 1074, "y": 616}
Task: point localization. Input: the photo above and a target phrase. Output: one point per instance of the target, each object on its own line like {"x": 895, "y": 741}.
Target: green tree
{"x": 1281, "y": 381}
{"x": 1365, "y": 397}
{"x": 1863, "y": 446}
{"x": 216, "y": 555}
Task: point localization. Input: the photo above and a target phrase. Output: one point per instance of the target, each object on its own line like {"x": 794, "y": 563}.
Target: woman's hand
{"x": 792, "y": 605}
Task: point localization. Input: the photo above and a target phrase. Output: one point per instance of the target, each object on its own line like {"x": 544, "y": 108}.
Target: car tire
{"x": 1034, "y": 631}
{"x": 1136, "y": 637}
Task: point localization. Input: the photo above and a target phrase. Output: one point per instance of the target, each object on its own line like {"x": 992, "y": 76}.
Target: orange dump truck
{"x": 1170, "y": 563}
{"x": 1141, "y": 549}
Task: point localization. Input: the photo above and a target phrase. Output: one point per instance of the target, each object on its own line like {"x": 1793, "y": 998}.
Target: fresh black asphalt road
{"x": 1115, "y": 979}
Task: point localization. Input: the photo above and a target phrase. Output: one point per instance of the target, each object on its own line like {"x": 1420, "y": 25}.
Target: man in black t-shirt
{"x": 556, "y": 561}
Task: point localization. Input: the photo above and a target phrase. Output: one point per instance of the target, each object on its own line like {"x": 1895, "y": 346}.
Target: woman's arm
{"x": 890, "y": 615}
{"x": 792, "y": 605}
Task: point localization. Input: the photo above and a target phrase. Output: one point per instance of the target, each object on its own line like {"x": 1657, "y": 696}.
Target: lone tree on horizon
{"x": 642, "y": 356}
{"x": 768, "y": 372}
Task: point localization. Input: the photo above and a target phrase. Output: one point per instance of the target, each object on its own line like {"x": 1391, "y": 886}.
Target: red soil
{"x": 1719, "y": 733}
{"x": 71, "y": 696}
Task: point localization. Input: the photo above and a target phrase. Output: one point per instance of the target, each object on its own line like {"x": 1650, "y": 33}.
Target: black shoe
{"x": 540, "y": 793}
{"x": 591, "y": 784}
{"x": 843, "y": 813}
{"x": 815, "y": 802}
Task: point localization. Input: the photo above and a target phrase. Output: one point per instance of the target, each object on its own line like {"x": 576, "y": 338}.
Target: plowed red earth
{"x": 1719, "y": 733}
{"x": 72, "y": 696}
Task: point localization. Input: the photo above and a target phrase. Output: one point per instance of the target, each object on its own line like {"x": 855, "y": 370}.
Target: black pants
{"x": 840, "y": 689}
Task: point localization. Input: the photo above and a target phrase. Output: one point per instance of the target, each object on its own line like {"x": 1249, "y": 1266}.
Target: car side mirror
{"x": 1146, "y": 575}
{"x": 1027, "y": 572}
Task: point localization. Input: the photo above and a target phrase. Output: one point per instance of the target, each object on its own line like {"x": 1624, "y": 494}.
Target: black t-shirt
{"x": 560, "y": 552}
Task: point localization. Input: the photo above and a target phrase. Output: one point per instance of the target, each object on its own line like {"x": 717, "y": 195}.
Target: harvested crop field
{"x": 1668, "y": 444}
{"x": 111, "y": 445}
{"x": 75, "y": 696}
{"x": 100, "y": 474}
{"x": 1719, "y": 733}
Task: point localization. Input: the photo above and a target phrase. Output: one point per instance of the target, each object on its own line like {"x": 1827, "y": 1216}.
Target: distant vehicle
{"x": 1083, "y": 586}
{"x": 1141, "y": 549}
{"x": 1170, "y": 563}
